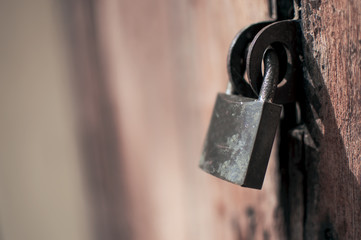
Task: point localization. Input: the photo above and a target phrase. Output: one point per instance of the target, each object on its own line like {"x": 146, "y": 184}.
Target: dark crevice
{"x": 302, "y": 169}
{"x": 288, "y": 122}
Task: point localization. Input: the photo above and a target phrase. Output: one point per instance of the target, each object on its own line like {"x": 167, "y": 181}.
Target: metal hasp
{"x": 246, "y": 54}
{"x": 242, "y": 131}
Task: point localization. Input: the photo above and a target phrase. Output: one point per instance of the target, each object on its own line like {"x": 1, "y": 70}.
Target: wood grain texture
{"x": 332, "y": 49}
{"x": 152, "y": 71}
{"x": 164, "y": 63}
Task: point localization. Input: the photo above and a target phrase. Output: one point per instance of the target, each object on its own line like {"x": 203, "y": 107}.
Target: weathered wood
{"x": 165, "y": 61}
{"x": 332, "y": 111}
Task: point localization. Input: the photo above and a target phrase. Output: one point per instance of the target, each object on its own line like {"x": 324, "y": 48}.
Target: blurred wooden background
{"x": 163, "y": 63}
{"x": 159, "y": 65}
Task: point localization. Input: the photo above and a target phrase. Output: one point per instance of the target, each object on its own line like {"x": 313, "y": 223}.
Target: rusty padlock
{"x": 242, "y": 131}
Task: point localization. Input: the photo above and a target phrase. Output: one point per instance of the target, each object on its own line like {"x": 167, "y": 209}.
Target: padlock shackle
{"x": 271, "y": 75}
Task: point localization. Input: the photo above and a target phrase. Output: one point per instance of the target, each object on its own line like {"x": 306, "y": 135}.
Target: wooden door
{"x": 161, "y": 66}
{"x": 151, "y": 71}
{"x": 332, "y": 108}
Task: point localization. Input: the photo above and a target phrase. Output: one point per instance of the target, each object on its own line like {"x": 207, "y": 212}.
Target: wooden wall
{"x": 163, "y": 63}
{"x": 332, "y": 49}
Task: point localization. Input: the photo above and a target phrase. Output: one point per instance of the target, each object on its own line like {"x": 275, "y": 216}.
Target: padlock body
{"x": 239, "y": 139}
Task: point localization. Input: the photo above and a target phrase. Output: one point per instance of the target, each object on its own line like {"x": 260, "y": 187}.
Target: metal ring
{"x": 285, "y": 33}
{"x": 236, "y": 61}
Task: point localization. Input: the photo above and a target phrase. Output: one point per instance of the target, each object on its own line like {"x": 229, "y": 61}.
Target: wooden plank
{"x": 332, "y": 49}
{"x": 164, "y": 63}
{"x": 161, "y": 64}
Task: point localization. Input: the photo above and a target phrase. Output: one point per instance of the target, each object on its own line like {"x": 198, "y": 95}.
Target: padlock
{"x": 242, "y": 130}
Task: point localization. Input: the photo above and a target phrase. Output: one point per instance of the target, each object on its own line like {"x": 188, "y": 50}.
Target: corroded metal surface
{"x": 242, "y": 131}
{"x": 239, "y": 140}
